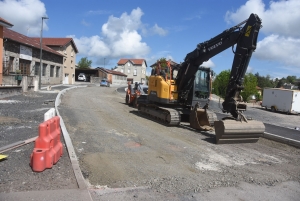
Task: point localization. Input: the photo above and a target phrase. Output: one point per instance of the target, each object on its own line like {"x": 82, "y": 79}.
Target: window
{"x": 128, "y": 64}
{"x": 122, "y": 70}
{"x": 134, "y": 72}
{"x": 128, "y": 70}
{"x": 51, "y": 71}
{"x": 8, "y": 65}
{"x": 57, "y": 71}
{"x": 36, "y": 68}
{"x": 44, "y": 70}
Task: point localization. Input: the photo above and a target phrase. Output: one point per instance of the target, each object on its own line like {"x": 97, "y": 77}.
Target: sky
{"x": 106, "y": 31}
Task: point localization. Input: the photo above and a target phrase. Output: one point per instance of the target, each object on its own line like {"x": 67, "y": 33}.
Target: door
{"x": 296, "y": 102}
{"x": 24, "y": 67}
{"x": 66, "y": 79}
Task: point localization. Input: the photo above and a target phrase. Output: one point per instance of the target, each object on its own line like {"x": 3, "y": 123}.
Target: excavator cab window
{"x": 201, "y": 84}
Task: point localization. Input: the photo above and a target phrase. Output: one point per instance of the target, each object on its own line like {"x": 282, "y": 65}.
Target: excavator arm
{"x": 244, "y": 36}
{"x": 235, "y": 129}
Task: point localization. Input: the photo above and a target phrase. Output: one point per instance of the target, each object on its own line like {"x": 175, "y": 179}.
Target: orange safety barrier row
{"x": 48, "y": 147}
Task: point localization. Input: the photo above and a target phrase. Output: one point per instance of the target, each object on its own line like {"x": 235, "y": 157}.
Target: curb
{"x": 74, "y": 161}
{"x": 284, "y": 140}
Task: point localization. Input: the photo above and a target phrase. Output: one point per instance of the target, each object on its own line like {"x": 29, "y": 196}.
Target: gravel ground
{"x": 20, "y": 116}
{"x": 119, "y": 149}
{"x": 124, "y": 156}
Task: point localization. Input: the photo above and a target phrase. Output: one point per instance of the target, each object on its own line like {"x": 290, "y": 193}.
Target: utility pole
{"x": 104, "y": 63}
{"x": 41, "y": 39}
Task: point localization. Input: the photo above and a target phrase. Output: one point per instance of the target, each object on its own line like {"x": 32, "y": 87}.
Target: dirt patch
{"x": 8, "y": 120}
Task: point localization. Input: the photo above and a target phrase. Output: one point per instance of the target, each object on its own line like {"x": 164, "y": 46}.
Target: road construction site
{"x": 123, "y": 155}
{"x": 119, "y": 148}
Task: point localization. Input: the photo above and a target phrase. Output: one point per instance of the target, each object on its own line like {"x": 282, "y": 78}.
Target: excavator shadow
{"x": 210, "y": 137}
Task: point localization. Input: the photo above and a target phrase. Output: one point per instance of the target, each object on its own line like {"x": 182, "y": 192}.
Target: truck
{"x": 283, "y": 100}
{"x": 182, "y": 93}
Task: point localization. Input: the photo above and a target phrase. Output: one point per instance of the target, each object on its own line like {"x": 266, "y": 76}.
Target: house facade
{"x": 67, "y": 48}
{"x": 135, "y": 69}
{"x": 113, "y": 77}
{"x": 21, "y": 55}
{"x": 3, "y": 23}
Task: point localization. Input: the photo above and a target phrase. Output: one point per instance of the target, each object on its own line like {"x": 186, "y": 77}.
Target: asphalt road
{"x": 125, "y": 156}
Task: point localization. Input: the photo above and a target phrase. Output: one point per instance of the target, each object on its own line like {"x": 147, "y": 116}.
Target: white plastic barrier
{"x": 49, "y": 114}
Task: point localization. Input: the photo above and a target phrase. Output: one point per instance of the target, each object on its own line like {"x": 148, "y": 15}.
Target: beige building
{"x": 135, "y": 69}
{"x": 3, "y": 23}
{"x": 68, "y": 49}
{"x": 21, "y": 56}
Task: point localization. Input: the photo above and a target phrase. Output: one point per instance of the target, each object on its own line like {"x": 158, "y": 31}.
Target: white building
{"x": 135, "y": 69}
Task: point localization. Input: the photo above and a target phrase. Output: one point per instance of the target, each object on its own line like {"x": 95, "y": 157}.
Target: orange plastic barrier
{"x": 48, "y": 147}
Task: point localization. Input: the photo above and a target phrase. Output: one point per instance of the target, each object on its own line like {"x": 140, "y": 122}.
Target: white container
{"x": 284, "y": 100}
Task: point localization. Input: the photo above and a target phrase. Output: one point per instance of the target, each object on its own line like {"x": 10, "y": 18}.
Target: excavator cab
{"x": 228, "y": 130}
{"x": 200, "y": 117}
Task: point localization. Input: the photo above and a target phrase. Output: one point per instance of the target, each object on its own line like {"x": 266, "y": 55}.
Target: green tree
{"x": 291, "y": 79}
{"x": 250, "y": 83}
{"x": 84, "y": 63}
{"x": 281, "y": 82}
{"x": 263, "y": 82}
{"x": 163, "y": 62}
{"x": 220, "y": 83}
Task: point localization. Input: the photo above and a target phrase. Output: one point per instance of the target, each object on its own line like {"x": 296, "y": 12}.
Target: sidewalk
{"x": 21, "y": 115}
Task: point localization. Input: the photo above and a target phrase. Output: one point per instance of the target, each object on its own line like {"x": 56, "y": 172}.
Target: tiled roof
{"x": 172, "y": 64}
{"x": 111, "y": 71}
{"x": 12, "y": 35}
{"x": 133, "y": 61}
{"x": 5, "y": 23}
{"x": 57, "y": 42}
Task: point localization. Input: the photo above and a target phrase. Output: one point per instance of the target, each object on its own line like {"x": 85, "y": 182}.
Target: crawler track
{"x": 167, "y": 116}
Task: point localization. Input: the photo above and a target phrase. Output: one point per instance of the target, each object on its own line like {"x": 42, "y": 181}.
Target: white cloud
{"x": 280, "y": 21}
{"x": 120, "y": 37}
{"x": 208, "y": 63}
{"x": 98, "y": 12}
{"x": 158, "y": 30}
{"x": 25, "y": 15}
{"x": 85, "y": 23}
{"x": 249, "y": 69}
{"x": 279, "y": 48}
{"x": 282, "y": 17}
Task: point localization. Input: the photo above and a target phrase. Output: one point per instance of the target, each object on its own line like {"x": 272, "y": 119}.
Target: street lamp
{"x": 41, "y": 39}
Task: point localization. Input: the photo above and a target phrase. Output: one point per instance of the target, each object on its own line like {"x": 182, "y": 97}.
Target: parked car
{"x": 81, "y": 77}
{"x": 104, "y": 83}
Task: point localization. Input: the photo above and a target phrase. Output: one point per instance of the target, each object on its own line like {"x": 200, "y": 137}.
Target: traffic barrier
{"x": 49, "y": 114}
{"x": 48, "y": 147}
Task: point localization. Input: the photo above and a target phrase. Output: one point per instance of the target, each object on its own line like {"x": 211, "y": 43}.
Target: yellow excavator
{"x": 182, "y": 92}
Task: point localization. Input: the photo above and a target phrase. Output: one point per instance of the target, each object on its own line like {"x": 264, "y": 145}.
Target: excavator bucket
{"x": 200, "y": 119}
{"x": 230, "y": 131}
